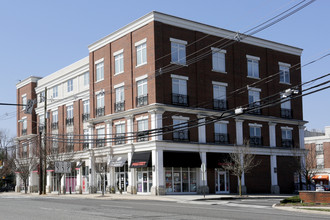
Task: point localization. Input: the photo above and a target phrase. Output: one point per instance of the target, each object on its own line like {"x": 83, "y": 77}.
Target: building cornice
{"x": 31, "y": 79}
{"x": 191, "y": 25}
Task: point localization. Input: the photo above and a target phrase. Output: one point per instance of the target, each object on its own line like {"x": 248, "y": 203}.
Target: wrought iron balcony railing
{"x": 287, "y": 143}
{"x": 142, "y": 100}
{"x": 120, "y": 106}
{"x": 142, "y": 136}
{"x": 182, "y": 135}
{"x": 120, "y": 138}
{"x": 179, "y": 99}
{"x": 100, "y": 111}
{"x": 256, "y": 141}
{"x": 220, "y": 104}
{"x": 85, "y": 116}
{"x": 69, "y": 121}
{"x": 54, "y": 125}
{"x": 286, "y": 113}
{"x": 221, "y": 138}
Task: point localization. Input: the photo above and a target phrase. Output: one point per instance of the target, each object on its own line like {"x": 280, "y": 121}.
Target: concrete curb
{"x": 301, "y": 209}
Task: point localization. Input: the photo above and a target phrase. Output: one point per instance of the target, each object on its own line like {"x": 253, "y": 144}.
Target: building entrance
{"x": 221, "y": 181}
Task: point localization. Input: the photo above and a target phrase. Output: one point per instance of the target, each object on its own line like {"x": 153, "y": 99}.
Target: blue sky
{"x": 40, "y": 37}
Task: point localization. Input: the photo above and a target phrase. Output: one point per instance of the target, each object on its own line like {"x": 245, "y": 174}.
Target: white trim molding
{"x": 142, "y": 118}
{"x": 99, "y": 92}
{"x": 178, "y": 41}
{"x": 255, "y": 125}
{"x": 219, "y": 83}
{"x": 252, "y": 57}
{"x": 118, "y": 52}
{"x": 218, "y": 50}
{"x": 286, "y": 128}
{"x": 174, "y": 117}
{"x": 99, "y": 61}
{"x": 140, "y": 42}
{"x": 222, "y": 122}
{"x": 119, "y": 85}
{"x": 284, "y": 64}
{"x": 141, "y": 77}
{"x": 179, "y": 77}
{"x": 254, "y": 89}
{"x": 119, "y": 123}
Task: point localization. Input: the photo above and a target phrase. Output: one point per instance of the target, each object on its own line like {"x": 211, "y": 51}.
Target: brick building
{"x": 168, "y": 73}
{"x": 319, "y": 156}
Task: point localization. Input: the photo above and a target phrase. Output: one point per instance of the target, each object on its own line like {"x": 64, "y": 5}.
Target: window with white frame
{"x": 41, "y": 122}
{"x": 220, "y": 133}
{"x": 219, "y": 96}
{"x": 286, "y": 111}
{"x": 24, "y": 102}
{"x": 100, "y": 141}
{"x": 142, "y": 134}
{"x": 86, "y": 79}
{"x": 218, "y": 60}
{"x": 86, "y": 111}
{"x": 119, "y": 63}
{"x": 69, "y": 144}
{"x": 70, "y": 85}
{"x": 284, "y": 73}
{"x": 255, "y": 135}
{"x": 99, "y": 71}
{"x": 24, "y": 150}
{"x": 120, "y": 133}
{"x": 120, "y": 99}
{"x": 69, "y": 115}
{"x": 320, "y": 161}
{"x": 319, "y": 149}
{"x": 178, "y": 51}
{"x": 180, "y": 127}
{"x": 142, "y": 92}
{"x": 24, "y": 126}
{"x": 253, "y": 66}
{"x": 86, "y": 139}
{"x": 55, "y": 91}
{"x": 54, "y": 120}
{"x": 141, "y": 54}
{"x": 42, "y": 96}
{"x": 100, "y": 104}
{"x": 254, "y": 100}
{"x": 287, "y": 137}
{"x": 179, "y": 91}
{"x": 55, "y": 145}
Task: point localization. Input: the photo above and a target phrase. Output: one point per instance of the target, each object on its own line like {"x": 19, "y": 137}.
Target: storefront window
{"x": 144, "y": 180}
{"x": 122, "y": 177}
{"x": 180, "y": 180}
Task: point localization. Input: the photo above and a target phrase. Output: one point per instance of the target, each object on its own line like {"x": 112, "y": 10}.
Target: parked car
{"x": 319, "y": 188}
{"x": 326, "y": 187}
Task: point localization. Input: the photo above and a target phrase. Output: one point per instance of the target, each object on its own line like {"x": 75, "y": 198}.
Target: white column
{"x": 79, "y": 179}
{"x": 131, "y": 176}
{"x": 201, "y": 130}
{"x": 158, "y": 186}
{"x": 301, "y": 137}
{"x": 129, "y": 120}
{"x": 243, "y": 174}
{"x": 63, "y": 187}
{"x": 239, "y": 131}
{"x": 18, "y": 182}
{"x": 91, "y": 135}
{"x": 109, "y": 132}
{"x": 92, "y": 186}
{"x": 17, "y": 149}
{"x": 272, "y": 134}
{"x": 49, "y": 180}
{"x": 203, "y": 183}
{"x": 30, "y": 148}
{"x": 275, "y": 189}
{"x": 156, "y": 122}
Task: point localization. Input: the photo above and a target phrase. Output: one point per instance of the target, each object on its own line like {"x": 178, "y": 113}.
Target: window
{"x": 24, "y": 102}
{"x": 86, "y": 112}
{"x": 120, "y": 99}
{"x": 253, "y": 66}
{"x": 119, "y": 63}
{"x": 24, "y": 126}
{"x": 219, "y": 96}
{"x": 42, "y": 97}
{"x": 69, "y": 145}
{"x": 41, "y": 122}
{"x": 55, "y": 91}
{"x": 179, "y": 91}
{"x": 55, "y": 145}
{"x": 141, "y": 54}
{"x": 120, "y": 133}
{"x": 284, "y": 73}
{"x": 180, "y": 127}
{"x": 86, "y": 79}
{"x": 100, "y": 104}
{"x": 254, "y": 100}
{"x": 142, "y": 134}
{"x": 255, "y": 135}
{"x": 320, "y": 161}
{"x": 99, "y": 71}
{"x": 142, "y": 92}
{"x": 86, "y": 139}
{"x": 54, "y": 120}
{"x": 100, "y": 141}
{"x": 218, "y": 60}
{"x": 24, "y": 150}
{"x": 220, "y": 133}
{"x": 286, "y": 111}
{"x": 287, "y": 137}
{"x": 319, "y": 149}
{"x": 70, "y": 85}
{"x": 69, "y": 115}
{"x": 178, "y": 51}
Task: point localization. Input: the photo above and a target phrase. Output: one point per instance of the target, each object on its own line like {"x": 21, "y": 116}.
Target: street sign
{"x": 62, "y": 167}
{"x": 29, "y": 106}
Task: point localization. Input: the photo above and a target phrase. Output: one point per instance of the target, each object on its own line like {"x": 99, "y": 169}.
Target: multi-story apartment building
{"x": 319, "y": 156}
{"x": 139, "y": 105}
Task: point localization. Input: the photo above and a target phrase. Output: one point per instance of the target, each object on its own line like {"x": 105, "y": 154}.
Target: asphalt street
{"x": 25, "y": 207}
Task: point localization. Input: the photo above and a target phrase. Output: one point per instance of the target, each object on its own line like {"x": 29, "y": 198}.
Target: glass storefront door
{"x": 122, "y": 177}
{"x": 144, "y": 180}
{"x": 221, "y": 181}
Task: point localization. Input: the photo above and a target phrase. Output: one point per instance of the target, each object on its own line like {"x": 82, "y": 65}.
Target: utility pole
{"x": 45, "y": 145}
{"x": 40, "y": 163}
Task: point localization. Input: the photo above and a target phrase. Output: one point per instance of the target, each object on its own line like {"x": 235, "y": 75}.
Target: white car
{"x": 319, "y": 188}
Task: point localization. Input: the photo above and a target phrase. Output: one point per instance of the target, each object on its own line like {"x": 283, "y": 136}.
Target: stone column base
{"x": 92, "y": 189}
{"x": 275, "y": 189}
{"x": 158, "y": 191}
{"x": 131, "y": 189}
{"x": 203, "y": 189}
{"x": 17, "y": 189}
{"x": 63, "y": 189}
{"x": 79, "y": 189}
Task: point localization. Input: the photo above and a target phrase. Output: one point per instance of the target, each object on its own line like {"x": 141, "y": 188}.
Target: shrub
{"x": 293, "y": 199}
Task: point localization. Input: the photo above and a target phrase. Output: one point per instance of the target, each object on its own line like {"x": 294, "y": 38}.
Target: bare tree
{"x": 59, "y": 151}
{"x": 5, "y": 139}
{"x": 241, "y": 161}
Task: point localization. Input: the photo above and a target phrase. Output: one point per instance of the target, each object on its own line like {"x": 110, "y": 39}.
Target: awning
{"x": 118, "y": 161}
{"x": 36, "y": 169}
{"x": 181, "y": 159}
{"x": 141, "y": 159}
{"x": 50, "y": 168}
{"x": 321, "y": 177}
{"x": 217, "y": 160}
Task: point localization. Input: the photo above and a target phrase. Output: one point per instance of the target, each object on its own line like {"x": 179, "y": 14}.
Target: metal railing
{"x": 142, "y": 100}
{"x": 120, "y": 106}
{"x": 287, "y": 143}
{"x": 85, "y": 116}
{"x": 286, "y": 113}
{"x": 69, "y": 147}
{"x": 100, "y": 142}
{"x": 142, "y": 136}
{"x": 24, "y": 131}
{"x": 179, "y": 99}
{"x": 120, "y": 139}
{"x": 54, "y": 125}
{"x": 100, "y": 111}
{"x": 256, "y": 141}
{"x": 221, "y": 138}
{"x": 85, "y": 146}
{"x": 255, "y": 108}
{"x": 182, "y": 135}
{"x": 220, "y": 104}
{"x": 69, "y": 121}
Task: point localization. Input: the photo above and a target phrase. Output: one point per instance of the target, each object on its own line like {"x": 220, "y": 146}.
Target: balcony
{"x": 100, "y": 142}
{"x": 254, "y": 108}
{"x": 54, "y": 125}
{"x": 69, "y": 147}
{"x": 55, "y": 150}
{"x": 182, "y": 135}
{"x": 220, "y": 104}
{"x": 100, "y": 111}
{"x": 255, "y": 141}
{"x": 287, "y": 143}
{"x": 85, "y": 116}
{"x": 286, "y": 113}
{"x": 24, "y": 154}
{"x": 221, "y": 138}
{"x": 120, "y": 138}
{"x": 41, "y": 128}
{"x": 69, "y": 121}
{"x": 85, "y": 146}
{"x": 179, "y": 99}
{"x": 142, "y": 136}
{"x": 120, "y": 106}
{"x": 24, "y": 131}
{"x": 141, "y": 100}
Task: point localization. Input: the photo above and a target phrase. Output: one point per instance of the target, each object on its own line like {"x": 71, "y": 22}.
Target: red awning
{"x": 321, "y": 177}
